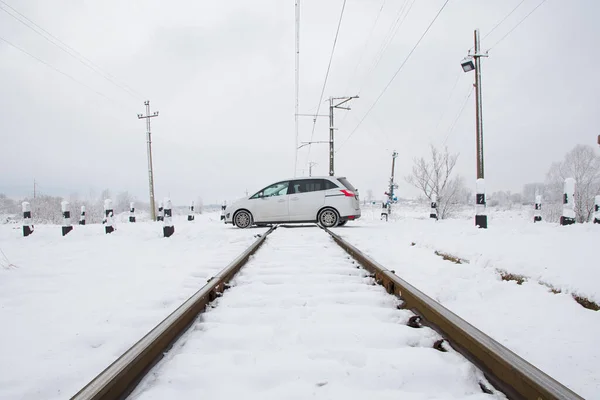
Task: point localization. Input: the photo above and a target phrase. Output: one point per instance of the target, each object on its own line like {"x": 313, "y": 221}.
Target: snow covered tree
{"x": 583, "y": 164}
{"x": 434, "y": 176}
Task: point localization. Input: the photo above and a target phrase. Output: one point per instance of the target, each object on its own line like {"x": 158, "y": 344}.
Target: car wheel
{"x": 342, "y": 223}
{"x": 328, "y": 218}
{"x": 242, "y": 219}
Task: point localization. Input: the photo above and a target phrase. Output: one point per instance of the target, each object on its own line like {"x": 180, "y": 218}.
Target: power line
{"x": 391, "y": 34}
{"x": 519, "y": 23}
{"x": 503, "y": 19}
{"x": 396, "y": 73}
{"x": 66, "y": 48}
{"x": 458, "y": 75}
{"x": 364, "y": 50}
{"x": 326, "y": 76}
{"x": 451, "y": 128}
{"x": 389, "y": 39}
{"x": 56, "y": 69}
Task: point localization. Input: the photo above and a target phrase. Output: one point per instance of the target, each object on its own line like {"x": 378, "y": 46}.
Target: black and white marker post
{"x": 168, "y": 228}
{"x": 568, "y": 217}
{"x": 108, "y": 216}
{"x": 27, "y": 221}
{"x": 223, "y": 207}
{"x": 597, "y": 210}
{"x": 82, "y": 216}
{"x": 66, "y": 213}
{"x": 191, "y": 213}
{"x": 384, "y": 210}
{"x": 537, "y": 213}
{"x": 132, "y": 212}
{"x": 480, "y": 215}
{"x": 161, "y": 209}
{"x": 433, "y": 213}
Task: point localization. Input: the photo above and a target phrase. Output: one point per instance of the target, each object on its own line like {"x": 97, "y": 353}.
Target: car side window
{"x": 329, "y": 185}
{"x": 277, "y": 189}
{"x": 310, "y": 185}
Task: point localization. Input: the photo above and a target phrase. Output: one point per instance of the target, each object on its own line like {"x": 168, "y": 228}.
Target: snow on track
{"x": 74, "y": 304}
{"x": 300, "y": 321}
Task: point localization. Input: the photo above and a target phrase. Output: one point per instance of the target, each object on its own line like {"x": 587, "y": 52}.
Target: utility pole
{"x": 392, "y": 184}
{"x": 149, "y": 148}
{"x": 297, "y": 78}
{"x": 477, "y": 56}
{"x": 332, "y": 100}
{"x": 34, "y": 188}
{"x": 468, "y": 65}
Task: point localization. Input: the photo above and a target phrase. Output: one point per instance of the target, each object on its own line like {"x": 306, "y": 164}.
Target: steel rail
{"x": 505, "y": 370}
{"x": 120, "y": 378}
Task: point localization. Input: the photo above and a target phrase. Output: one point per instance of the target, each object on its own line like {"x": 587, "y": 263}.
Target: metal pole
{"x": 331, "y": 136}
{"x": 149, "y": 149}
{"x": 391, "y": 192}
{"x": 478, "y": 110}
{"x": 297, "y": 80}
{"x": 480, "y": 215}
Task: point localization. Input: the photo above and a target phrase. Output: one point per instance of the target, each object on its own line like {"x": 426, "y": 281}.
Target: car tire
{"x": 328, "y": 218}
{"x": 242, "y": 219}
{"x": 342, "y": 223}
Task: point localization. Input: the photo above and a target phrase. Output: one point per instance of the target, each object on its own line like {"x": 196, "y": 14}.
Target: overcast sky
{"x": 221, "y": 74}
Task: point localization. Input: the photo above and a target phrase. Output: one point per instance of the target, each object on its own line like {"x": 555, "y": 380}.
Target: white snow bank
{"x": 76, "y": 303}
{"x": 551, "y": 331}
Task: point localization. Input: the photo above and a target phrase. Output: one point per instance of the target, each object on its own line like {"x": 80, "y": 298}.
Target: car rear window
{"x": 347, "y": 184}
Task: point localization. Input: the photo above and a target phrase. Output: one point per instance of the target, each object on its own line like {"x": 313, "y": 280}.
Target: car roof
{"x": 314, "y": 177}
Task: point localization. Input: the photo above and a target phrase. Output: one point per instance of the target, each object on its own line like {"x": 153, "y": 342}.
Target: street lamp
{"x": 470, "y": 63}
{"x": 467, "y": 64}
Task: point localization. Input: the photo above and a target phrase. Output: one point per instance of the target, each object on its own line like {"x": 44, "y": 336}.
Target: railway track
{"x": 316, "y": 318}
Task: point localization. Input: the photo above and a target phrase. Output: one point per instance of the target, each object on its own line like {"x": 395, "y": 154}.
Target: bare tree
{"x": 582, "y": 164}
{"x": 434, "y": 176}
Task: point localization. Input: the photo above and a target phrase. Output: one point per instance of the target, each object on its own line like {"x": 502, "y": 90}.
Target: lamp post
{"x": 470, "y": 63}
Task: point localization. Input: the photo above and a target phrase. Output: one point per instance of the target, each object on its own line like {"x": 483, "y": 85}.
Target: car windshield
{"x": 277, "y": 189}
{"x": 348, "y": 185}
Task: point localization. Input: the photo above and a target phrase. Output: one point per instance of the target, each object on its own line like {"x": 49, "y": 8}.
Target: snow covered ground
{"x": 301, "y": 321}
{"x": 550, "y": 330}
{"x": 73, "y": 304}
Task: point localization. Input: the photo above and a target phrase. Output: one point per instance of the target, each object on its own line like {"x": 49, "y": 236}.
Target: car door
{"x": 271, "y": 203}
{"x": 307, "y": 196}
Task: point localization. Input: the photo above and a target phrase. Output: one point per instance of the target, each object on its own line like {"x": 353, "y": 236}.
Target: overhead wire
{"x": 391, "y": 34}
{"x": 517, "y": 25}
{"x": 364, "y": 50}
{"x": 502, "y": 20}
{"x": 56, "y": 69}
{"x": 326, "y": 77}
{"x": 395, "y": 74}
{"x": 66, "y": 48}
{"x": 402, "y": 14}
{"x": 451, "y": 128}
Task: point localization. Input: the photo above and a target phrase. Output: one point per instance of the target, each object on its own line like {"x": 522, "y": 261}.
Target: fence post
{"x": 82, "y": 216}
{"x": 191, "y": 213}
{"x": 223, "y": 207}
{"x": 597, "y": 210}
{"x": 433, "y": 213}
{"x": 108, "y": 216}
{"x": 568, "y": 216}
{"x": 27, "y": 221}
{"x": 132, "y": 212}
{"x": 168, "y": 228}
{"x": 66, "y": 213}
{"x": 480, "y": 215}
{"x": 160, "y": 216}
{"x": 537, "y": 214}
